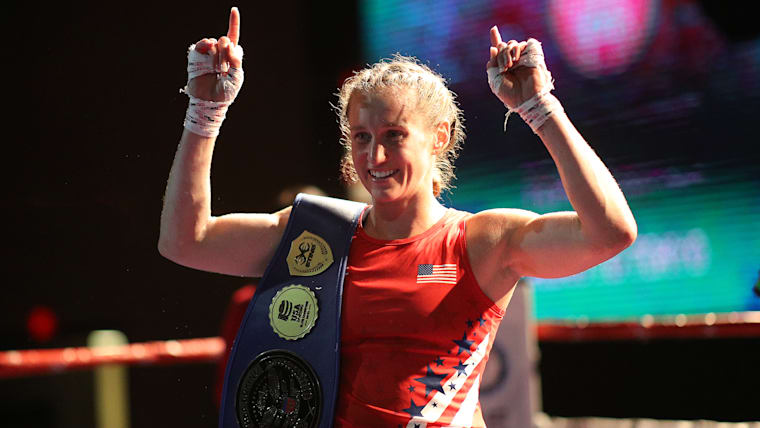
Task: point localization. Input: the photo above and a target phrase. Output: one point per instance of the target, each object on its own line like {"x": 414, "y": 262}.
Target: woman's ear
{"x": 442, "y": 137}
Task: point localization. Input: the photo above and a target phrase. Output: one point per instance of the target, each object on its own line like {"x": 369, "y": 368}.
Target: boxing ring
{"x": 19, "y": 363}
{"x": 109, "y": 357}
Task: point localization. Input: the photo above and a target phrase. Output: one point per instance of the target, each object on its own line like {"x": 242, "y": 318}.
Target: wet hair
{"x": 434, "y": 99}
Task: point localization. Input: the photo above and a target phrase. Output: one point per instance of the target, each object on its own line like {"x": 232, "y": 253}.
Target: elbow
{"x": 166, "y": 248}
{"x": 630, "y": 232}
{"x": 180, "y": 245}
{"x": 628, "y": 237}
{"x": 621, "y": 237}
{"x": 614, "y": 238}
{"x": 171, "y": 248}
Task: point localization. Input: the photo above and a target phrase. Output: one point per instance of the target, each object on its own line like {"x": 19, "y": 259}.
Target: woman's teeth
{"x": 381, "y": 174}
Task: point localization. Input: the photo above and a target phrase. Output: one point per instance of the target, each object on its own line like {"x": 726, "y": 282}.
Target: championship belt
{"x": 284, "y": 364}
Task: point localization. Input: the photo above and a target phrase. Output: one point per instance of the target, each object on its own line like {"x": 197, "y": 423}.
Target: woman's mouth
{"x": 381, "y": 174}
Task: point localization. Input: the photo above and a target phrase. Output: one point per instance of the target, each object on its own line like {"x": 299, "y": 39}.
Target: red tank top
{"x": 416, "y": 331}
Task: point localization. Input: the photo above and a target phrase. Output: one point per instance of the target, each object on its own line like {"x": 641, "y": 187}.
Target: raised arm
{"x": 507, "y": 244}
{"x": 234, "y": 244}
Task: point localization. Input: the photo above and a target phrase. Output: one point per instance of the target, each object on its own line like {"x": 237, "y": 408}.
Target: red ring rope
{"x": 46, "y": 361}
{"x": 211, "y": 349}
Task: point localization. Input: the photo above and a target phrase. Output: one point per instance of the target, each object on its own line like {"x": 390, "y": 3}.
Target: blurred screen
{"x": 661, "y": 90}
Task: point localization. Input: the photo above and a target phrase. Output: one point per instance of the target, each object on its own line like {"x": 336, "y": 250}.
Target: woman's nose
{"x": 377, "y": 153}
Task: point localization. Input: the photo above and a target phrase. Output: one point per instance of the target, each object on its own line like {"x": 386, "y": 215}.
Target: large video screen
{"x": 662, "y": 90}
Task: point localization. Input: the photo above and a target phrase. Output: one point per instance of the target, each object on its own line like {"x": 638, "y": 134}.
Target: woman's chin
{"x": 379, "y": 191}
{"x": 383, "y": 194}
{"x": 379, "y": 196}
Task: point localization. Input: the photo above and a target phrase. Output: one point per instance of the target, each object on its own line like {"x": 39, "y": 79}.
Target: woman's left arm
{"x": 507, "y": 244}
{"x": 565, "y": 243}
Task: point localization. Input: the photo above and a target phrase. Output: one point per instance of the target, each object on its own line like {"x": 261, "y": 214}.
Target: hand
{"x": 208, "y": 87}
{"x": 512, "y": 81}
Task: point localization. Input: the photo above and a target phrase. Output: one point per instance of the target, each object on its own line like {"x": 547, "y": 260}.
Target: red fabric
{"x": 411, "y": 352}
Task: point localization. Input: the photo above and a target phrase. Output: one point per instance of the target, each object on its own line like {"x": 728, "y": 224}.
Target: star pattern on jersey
{"x": 461, "y": 368}
{"x": 464, "y": 344}
{"x": 432, "y": 381}
{"x": 414, "y": 410}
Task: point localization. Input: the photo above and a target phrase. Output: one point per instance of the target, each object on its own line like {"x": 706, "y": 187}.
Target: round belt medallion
{"x": 279, "y": 390}
{"x": 293, "y": 312}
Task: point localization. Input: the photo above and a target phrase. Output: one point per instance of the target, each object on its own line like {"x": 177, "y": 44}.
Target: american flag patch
{"x": 437, "y": 274}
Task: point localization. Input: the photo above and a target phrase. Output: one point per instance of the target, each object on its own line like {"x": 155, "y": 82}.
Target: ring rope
{"x": 49, "y": 361}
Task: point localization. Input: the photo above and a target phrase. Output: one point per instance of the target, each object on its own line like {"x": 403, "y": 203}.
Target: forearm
{"x": 187, "y": 203}
{"x": 605, "y": 217}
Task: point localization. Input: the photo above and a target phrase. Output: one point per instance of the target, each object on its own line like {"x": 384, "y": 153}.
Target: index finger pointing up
{"x": 233, "y": 32}
{"x": 495, "y": 37}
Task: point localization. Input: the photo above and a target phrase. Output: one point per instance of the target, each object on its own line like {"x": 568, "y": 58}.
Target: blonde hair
{"x": 434, "y": 99}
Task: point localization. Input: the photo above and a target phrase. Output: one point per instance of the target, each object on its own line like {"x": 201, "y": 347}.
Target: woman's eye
{"x": 362, "y": 137}
{"x": 395, "y": 135}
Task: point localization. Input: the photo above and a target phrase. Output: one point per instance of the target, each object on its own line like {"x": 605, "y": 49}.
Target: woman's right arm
{"x": 233, "y": 244}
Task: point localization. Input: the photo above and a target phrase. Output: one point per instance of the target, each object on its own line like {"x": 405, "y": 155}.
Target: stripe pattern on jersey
{"x": 432, "y": 413}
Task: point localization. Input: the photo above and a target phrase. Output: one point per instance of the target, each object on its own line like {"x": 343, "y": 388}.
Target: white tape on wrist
{"x": 205, "y": 117}
{"x": 538, "y": 109}
{"x": 531, "y": 56}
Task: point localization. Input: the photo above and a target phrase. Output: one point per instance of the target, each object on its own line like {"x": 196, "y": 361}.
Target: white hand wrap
{"x": 205, "y": 117}
{"x": 536, "y": 110}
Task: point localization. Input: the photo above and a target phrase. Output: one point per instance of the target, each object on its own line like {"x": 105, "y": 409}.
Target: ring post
{"x": 111, "y": 386}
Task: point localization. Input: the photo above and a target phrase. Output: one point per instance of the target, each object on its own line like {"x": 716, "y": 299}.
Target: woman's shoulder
{"x": 502, "y": 216}
{"x": 456, "y": 215}
{"x": 493, "y": 224}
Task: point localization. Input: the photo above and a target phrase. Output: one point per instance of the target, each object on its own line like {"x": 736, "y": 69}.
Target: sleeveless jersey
{"x": 416, "y": 331}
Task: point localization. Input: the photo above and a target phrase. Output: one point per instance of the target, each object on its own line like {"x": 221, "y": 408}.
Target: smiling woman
{"x": 425, "y": 286}
{"x": 423, "y": 91}
{"x": 391, "y": 149}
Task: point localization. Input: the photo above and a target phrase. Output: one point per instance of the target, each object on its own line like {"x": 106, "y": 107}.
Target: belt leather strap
{"x": 284, "y": 364}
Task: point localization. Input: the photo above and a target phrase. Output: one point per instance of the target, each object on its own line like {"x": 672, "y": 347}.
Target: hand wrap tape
{"x": 536, "y": 110}
{"x": 205, "y": 117}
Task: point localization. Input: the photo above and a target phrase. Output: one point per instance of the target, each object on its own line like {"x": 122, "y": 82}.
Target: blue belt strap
{"x": 334, "y": 221}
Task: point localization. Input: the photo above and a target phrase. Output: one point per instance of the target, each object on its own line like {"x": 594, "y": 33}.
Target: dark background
{"x": 95, "y": 116}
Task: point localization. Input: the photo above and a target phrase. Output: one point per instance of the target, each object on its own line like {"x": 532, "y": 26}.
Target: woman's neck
{"x": 403, "y": 219}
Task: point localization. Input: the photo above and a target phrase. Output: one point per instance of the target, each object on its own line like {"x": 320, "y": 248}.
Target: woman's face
{"x": 392, "y": 145}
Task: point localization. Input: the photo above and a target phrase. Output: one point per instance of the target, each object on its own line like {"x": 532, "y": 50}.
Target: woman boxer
{"x": 426, "y": 285}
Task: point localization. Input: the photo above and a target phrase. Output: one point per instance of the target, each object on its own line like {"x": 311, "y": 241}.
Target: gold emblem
{"x": 293, "y": 312}
{"x": 309, "y": 255}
